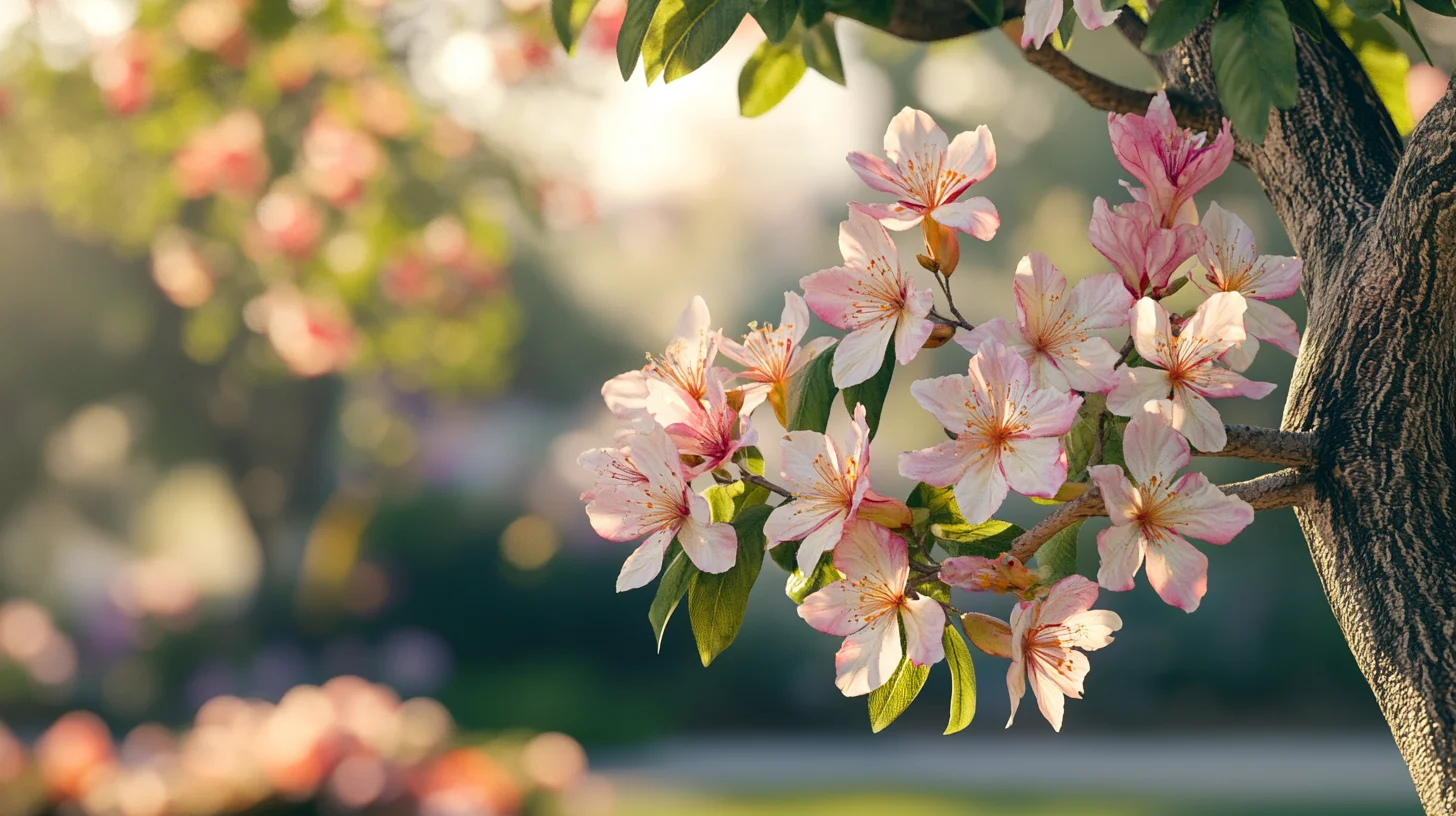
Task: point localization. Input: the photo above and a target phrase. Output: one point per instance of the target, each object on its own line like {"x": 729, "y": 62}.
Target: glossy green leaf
{"x": 716, "y": 603}
{"x": 670, "y": 590}
{"x": 1081, "y": 441}
{"x": 768, "y": 76}
{"x": 872, "y": 392}
{"x": 1401, "y": 15}
{"x": 1382, "y": 58}
{"x": 1253, "y": 62}
{"x": 890, "y": 700}
{"x": 800, "y": 586}
{"x": 1368, "y": 9}
{"x": 568, "y": 17}
{"x": 1113, "y": 5}
{"x": 988, "y": 539}
{"x": 1173, "y": 20}
{"x": 786, "y": 555}
{"x": 727, "y": 501}
{"x": 939, "y": 501}
{"x": 811, "y": 395}
{"x": 685, "y": 34}
{"x": 1062, "y": 37}
{"x": 1445, "y": 8}
{"x": 750, "y": 457}
{"x": 812, "y": 12}
{"x": 962, "y": 680}
{"x": 776, "y": 18}
{"x": 821, "y": 52}
{"x": 633, "y": 32}
{"x": 1057, "y": 558}
{"x": 873, "y": 13}
{"x": 1306, "y": 15}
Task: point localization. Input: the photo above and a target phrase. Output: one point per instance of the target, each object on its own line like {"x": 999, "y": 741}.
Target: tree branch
{"x": 1285, "y": 488}
{"x": 1268, "y": 445}
{"x": 1104, "y": 94}
{"x": 755, "y": 479}
{"x": 1425, "y": 178}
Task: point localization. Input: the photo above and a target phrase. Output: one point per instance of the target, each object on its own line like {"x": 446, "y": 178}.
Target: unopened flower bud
{"x": 735, "y": 399}
{"x": 928, "y": 262}
{"x": 939, "y": 336}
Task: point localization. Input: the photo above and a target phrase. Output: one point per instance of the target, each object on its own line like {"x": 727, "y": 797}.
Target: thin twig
{"x": 1104, "y": 94}
{"x": 755, "y": 479}
{"x": 1285, "y": 488}
{"x": 944, "y": 282}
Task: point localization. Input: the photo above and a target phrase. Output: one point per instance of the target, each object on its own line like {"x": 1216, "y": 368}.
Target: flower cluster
{"x": 1049, "y": 407}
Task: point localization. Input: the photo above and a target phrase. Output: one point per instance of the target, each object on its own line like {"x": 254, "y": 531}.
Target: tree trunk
{"x": 1376, "y": 379}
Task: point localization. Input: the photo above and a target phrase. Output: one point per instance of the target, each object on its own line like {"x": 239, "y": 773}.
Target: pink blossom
{"x": 1007, "y": 433}
{"x": 773, "y": 355}
{"x": 928, "y": 177}
{"x": 1042, "y": 641}
{"x": 1232, "y": 263}
{"x": 1143, "y": 252}
{"x": 1043, "y": 17}
{"x": 1187, "y": 367}
{"x": 976, "y": 573}
{"x": 686, "y": 366}
{"x": 868, "y": 609}
{"x": 831, "y": 491}
{"x": 1172, "y": 163}
{"x": 707, "y": 432}
{"x": 641, "y": 491}
{"x": 1052, "y": 331}
{"x": 872, "y": 298}
{"x": 1151, "y": 514}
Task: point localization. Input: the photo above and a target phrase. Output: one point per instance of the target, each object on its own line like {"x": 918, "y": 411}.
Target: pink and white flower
{"x": 1172, "y": 163}
{"x": 928, "y": 177}
{"x": 1144, "y": 252}
{"x": 772, "y": 355}
{"x": 707, "y": 432}
{"x": 1043, "y": 17}
{"x": 868, "y": 609}
{"x": 1042, "y": 641}
{"x": 687, "y": 365}
{"x": 1188, "y": 367}
{"x": 641, "y": 491}
{"x": 1007, "y": 433}
{"x": 831, "y": 491}
{"x": 1005, "y": 574}
{"x": 1151, "y": 514}
{"x": 1232, "y": 263}
{"x": 872, "y": 298}
{"x": 1053, "y": 327}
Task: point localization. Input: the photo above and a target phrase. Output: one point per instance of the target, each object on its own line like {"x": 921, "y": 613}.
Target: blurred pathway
{"x": 1337, "y": 769}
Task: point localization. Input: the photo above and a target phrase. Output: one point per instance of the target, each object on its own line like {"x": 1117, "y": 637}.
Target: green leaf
{"x": 670, "y": 589}
{"x": 786, "y": 555}
{"x": 1172, "y": 22}
{"x": 989, "y": 539}
{"x": 811, "y": 394}
{"x": 812, "y": 12}
{"x": 768, "y": 76}
{"x": 1382, "y": 58}
{"x": 800, "y": 586}
{"x": 1253, "y": 62}
{"x": 1306, "y": 15}
{"x": 1113, "y": 5}
{"x": 568, "y": 17}
{"x": 1368, "y": 9}
{"x": 1057, "y": 558}
{"x": 1401, "y": 15}
{"x": 821, "y": 52}
{"x": 1445, "y": 8}
{"x": 727, "y": 501}
{"x": 1081, "y": 441}
{"x": 940, "y": 501}
{"x": 993, "y": 12}
{"x": 685, "y": 34}
{"x": 716, "y": 603}
{"x": 750, "y": 457}
{"x": 633, "y": 31}
{"x": 1062, "y": 37}
{"x": 962, "y": 680}
{"x": 776, "y": 18}
{"x": 873, "y": 13}
{"x": 872, "y": 392}
{"x": 890, "y": 700}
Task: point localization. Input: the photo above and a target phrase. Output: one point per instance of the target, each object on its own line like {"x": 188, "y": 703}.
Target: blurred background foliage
{"x": 303, "y": 317}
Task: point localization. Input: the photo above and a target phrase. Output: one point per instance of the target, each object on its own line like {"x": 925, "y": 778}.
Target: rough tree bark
{"x": 1376, "y": 381}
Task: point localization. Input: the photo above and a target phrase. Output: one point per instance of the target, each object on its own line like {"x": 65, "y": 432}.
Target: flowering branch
{"x": 1290, "y": 487}
{"x": 755, "y": 479}
{"x": 1106, "y": 95}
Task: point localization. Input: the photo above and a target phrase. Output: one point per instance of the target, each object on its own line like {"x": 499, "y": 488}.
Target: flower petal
{"x": 645, "y": 562}
{"x": 1217, "y": 325}
{"x": 912, "y": 134}
{"x": 924, "y": 622}
{"x": 1151, "y": 446}
{"x": 1089, "y": 365}
{"x": 1092, "y": 15}
{"x": 877, "y": 173}
{"x": 1177, "y": 570}
{"x": 834, "y": 610}
{"x": 976, "y": 217}
{"x": 1041, "y": 19}
{"x": 1118, "y": 494}
{"x": 1067, "y": 597}
{"x": 868, "y": 657}
{"x": 822, "y": 540}
{"x": 1049, "y": 697}
{"x": 1092, "y": 629}
{"x": 869, "y": 553}
{"x": 1152, "y": 334}
{"x": 1121, "y": 550}
{"x": 946, "y": 399}
{"x": 913, "y": 329}
{"x": 1197, "y": 419}
{"x": 1272, "y": 324}
{"x": 1034, "y": 467}
{"x": 1135, "y": 387}
{"x": 713, "y": 548}
{"x": 982, "y": 487}
{"x": 997, "y": 327}
{"x": 861, "y": 353}
{"x": 792, "y": 521}
{"x": 940, "y": 466}
{"x": 1100, "y": 302}
{"x": 1197, "y": 508}
{"x": 971, "y": 154}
